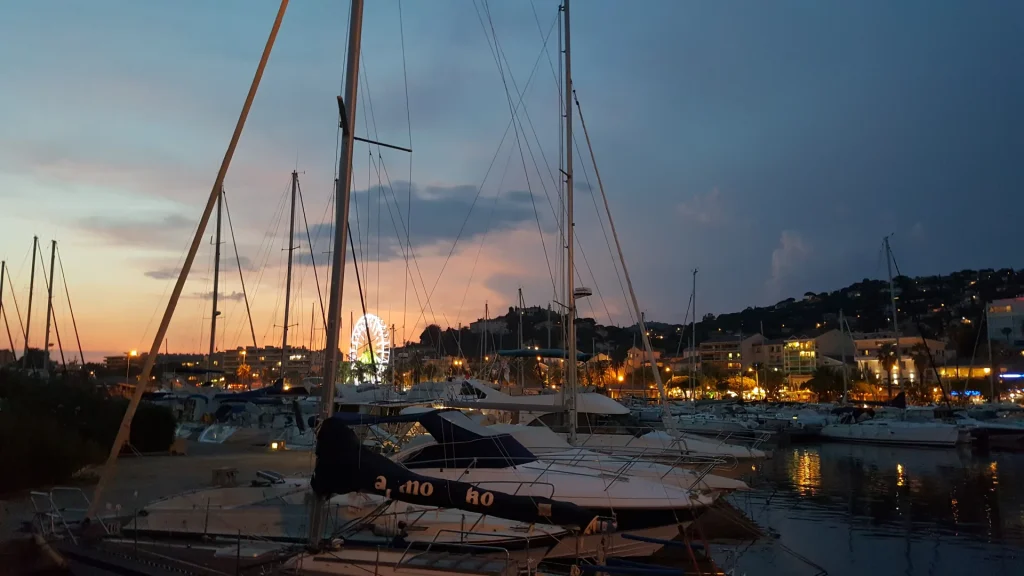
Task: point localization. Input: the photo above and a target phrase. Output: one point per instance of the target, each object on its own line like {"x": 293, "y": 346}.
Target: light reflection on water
{"x": 859, "y": 509}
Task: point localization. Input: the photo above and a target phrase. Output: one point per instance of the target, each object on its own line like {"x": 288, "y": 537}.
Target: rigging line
{"x": 265, "y": 249}
{"x": 600, "y": 217}
{"x": 499, "y": 56}
{"x": 268, "y": 243}
{"x": 483, "y": 239}
{"x": 479, "y": 190}
{"x": 67, "y": 294}
{"x": 238, "y": 262}
{"x": 408, "y": 208}
{"x": 502, "y": 56}
{"x": 516, "y": 127}
{"x": 526, "y": 112}
{"x": 312, "y": 257}
{"x": 3, "y": 311}
{"x": 14, "y": 297}
{"x": 380, "y": 193}
{"x": 407, "y": 250}
{"x": 362, "y": 302}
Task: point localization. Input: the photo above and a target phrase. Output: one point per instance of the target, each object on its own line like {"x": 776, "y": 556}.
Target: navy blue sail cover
{"x": 344, "y": 465}
{"x": 460, "y": 441}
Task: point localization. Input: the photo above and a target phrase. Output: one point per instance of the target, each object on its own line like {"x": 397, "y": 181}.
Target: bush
{"x": 51, "y": 429}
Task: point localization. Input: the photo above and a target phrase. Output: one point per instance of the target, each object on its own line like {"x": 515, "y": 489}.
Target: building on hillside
{"x": 1006, "y": 322}
{"x": 731, "y": 352}
{"x": 768, "y": 353}
{"x": 911, "y": 350}
{"x": 496, "y": 327}
{"x": 802, "y": 355}
{"x": 637, "y": 357}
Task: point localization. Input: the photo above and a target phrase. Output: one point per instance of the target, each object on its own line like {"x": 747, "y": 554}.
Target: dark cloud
{"x": 439, "y": 213}
{"x": 228, "y": 265}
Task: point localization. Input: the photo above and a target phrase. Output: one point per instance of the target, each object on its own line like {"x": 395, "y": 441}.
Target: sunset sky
{"x": 769, "y": 144}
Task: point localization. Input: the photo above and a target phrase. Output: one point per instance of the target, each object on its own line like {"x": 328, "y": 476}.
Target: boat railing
{"x": 53, "y": 519}
{"x": 470, "y": 549}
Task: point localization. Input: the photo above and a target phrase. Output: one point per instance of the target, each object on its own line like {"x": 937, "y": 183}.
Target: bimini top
{"x": 460, "y": 442}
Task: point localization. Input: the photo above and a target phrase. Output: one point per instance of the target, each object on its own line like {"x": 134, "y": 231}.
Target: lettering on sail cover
{"x": 477, "y": 499}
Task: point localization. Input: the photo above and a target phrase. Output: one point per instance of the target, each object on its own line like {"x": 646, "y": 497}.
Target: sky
{"x": 769, "y": 145}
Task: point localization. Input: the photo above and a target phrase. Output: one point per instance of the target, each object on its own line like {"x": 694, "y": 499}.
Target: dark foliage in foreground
{"x": 49, "y": 429}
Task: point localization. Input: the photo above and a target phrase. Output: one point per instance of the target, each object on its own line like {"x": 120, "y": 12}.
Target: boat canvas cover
{"x": 344, "y": 465}
{"x": 460, "y": 442}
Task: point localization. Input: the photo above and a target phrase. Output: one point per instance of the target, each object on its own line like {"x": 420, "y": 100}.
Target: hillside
{"x": 943, "y": 307}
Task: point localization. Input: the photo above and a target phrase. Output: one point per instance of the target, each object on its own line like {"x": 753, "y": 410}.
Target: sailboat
{"x": 856, "y": 425}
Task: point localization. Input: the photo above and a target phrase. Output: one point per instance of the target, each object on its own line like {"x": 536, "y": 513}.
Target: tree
{"x": 772, "y": 381}
{"x": 922, "y": 365}
{"x": 827, "y": 383}
{"x": 886, "y": 359}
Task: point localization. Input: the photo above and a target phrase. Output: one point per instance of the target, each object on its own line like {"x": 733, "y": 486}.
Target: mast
{"x": 569, "y": 392}
{"x": 991, "y": 368}
{"x": 520, "y": 335}
{"x": 846, "y": 375}
{"x": 693, "y": 343}
{"x": 342, "y": 191}
{"x": 49, "y": 309}
{"x": 895, "y": 324}
{"x": 31, "y": 289}
{"x": 197, "y": 238}
{"x": 288, "y": 281}
{"x": 3, "y": 272}
{"x": 216, "y": 278}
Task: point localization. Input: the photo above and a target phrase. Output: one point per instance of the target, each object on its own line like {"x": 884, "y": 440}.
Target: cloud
{"x": 234, "y": 296}
{"x": 703, "y": 209}
{"x": 139, "y": 230}
{"x": 440, "y": 214}
{"x": 228, "y": 265}
{"x": 788, "y": 262}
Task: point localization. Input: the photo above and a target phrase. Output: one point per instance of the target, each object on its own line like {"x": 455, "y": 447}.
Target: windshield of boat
{"x": 593, "y": 423}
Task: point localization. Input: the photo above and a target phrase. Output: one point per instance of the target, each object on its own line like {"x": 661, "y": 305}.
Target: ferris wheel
{"x": 371, "y": 347}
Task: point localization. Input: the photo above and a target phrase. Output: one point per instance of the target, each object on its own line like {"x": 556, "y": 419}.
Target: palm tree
{"x": 886, "y": 359}
{"x": 919, "y": 354}
{"x": 826, "y": 383}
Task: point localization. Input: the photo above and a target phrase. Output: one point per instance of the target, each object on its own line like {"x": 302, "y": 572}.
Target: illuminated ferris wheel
{"x": 370, "y": 347}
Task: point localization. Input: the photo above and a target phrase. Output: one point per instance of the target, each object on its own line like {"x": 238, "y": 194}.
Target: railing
{"x": 52, "y": 519}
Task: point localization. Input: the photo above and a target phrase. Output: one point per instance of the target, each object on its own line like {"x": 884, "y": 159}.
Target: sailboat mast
{"x": 569, "y": 393}
{"x": 342, "y": 191}
{"x": 31, "y": 289}
{"x": 895, "y": 323}
{"x": 846, "y": 373}
{"x": 520, "y": 335}
{"x": 288, "y": 281}
{"x": 216, "y": 279}
{"x": 49, "y": 308}
{"x": 693, "y": 343}
{"x": 991, "y": 368}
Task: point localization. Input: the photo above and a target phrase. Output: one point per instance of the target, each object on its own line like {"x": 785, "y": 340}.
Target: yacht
{"x": 859, "y": 425}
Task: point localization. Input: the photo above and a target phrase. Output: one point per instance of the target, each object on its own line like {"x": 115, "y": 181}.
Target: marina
{"x": 354, "y": 420}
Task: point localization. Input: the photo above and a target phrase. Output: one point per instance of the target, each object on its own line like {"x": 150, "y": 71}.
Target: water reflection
{"x": 888, "y": 510}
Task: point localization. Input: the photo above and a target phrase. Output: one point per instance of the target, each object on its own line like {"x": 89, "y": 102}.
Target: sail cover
{"x": 460, "y": 442}
{"x": 343, "y": 465}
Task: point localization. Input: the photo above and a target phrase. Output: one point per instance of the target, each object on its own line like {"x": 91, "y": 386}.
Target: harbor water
{"x": 876, "y": 510}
